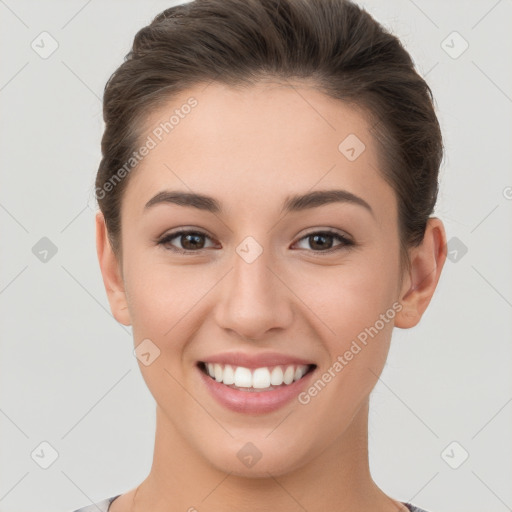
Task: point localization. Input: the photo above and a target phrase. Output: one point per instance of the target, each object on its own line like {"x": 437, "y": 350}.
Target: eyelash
{"x": 345, "y": 242}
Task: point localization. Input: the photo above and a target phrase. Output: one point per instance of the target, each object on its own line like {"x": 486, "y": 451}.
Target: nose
{"x": 254, "y": 299}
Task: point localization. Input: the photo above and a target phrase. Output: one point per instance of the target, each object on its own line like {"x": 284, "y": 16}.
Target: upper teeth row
{"x": 258, "y": 378}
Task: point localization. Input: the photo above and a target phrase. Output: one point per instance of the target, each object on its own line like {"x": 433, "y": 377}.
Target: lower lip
{"x": 254, "y": 402}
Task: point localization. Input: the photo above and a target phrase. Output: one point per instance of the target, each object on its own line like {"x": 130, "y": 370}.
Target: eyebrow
{"x": 294, "y": 203}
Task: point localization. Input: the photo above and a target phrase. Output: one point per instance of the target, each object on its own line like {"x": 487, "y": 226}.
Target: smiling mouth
{"x": 266, "y": 378}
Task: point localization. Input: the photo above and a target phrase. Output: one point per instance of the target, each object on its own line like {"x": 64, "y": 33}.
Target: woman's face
{"x": 258, "y": 289}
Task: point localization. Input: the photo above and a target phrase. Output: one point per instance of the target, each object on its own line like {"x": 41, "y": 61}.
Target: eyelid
{"x": 345, "y": 240}
{"x": 329, "y": 231}
{"x": 185, "y": 230}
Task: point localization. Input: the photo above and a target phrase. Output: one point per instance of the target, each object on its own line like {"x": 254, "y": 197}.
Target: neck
{"x": 337, "y": 479}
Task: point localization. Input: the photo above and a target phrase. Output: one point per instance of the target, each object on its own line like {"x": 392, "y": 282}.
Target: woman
{"x": 268, "y": 176}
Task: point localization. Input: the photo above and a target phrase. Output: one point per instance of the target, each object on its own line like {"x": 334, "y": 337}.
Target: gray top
{"x": 103, "y": 506}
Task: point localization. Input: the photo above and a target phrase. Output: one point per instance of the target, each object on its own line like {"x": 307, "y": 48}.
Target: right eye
{"x": 191, "y": 241}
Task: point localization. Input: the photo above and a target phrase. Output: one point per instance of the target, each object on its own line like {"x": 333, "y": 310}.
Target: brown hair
{"x": 333, "y": 44}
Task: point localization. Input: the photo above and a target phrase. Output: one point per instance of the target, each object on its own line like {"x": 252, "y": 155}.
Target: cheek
{"x": 158, "y": 295}
{"x": 356, "y": 305}
{"x": 166, "y": 304}
{"x": 349, "y": 297}
{"x": 161, "y": 303}
{"x": 341, "y": 300}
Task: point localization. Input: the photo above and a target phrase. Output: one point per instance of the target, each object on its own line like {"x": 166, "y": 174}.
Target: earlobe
{"x": 427, "y": 261}
{"x": 111, "y": 273}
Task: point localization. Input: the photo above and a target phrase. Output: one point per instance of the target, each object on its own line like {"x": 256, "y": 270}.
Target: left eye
{"x": 320, "y": 239}
{"x": 193, "y": 241}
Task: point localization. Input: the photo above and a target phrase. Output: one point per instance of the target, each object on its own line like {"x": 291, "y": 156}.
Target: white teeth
{"x": 228, "y": 375}
{"x": 243, "y": 377}
{"x": 298, "y": 373}
{"x": 259, "y": 378}
{"x": 276, "y": 377}
{"x": 218, "y": 372}
{"x": 289, "y": 374}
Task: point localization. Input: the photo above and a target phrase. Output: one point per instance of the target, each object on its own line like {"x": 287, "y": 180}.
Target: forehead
{"x": 266, "y": 140}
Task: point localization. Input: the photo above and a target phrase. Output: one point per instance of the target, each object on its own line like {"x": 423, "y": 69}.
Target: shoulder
{"x": 100, "y": 506}
{"x": 413, "y": 508}
{"x": 103, "y": 506}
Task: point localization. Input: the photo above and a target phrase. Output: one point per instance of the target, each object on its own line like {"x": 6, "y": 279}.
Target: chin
{"x": 256, "y": 459}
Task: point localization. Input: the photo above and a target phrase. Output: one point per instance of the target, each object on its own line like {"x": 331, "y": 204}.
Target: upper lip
{"x": 255, "y": 360}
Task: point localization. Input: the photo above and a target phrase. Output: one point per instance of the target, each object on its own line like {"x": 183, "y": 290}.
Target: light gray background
{"x": 68, "y": 374}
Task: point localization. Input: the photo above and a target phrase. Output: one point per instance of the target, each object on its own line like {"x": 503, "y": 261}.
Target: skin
{"x": 249, "y": 149}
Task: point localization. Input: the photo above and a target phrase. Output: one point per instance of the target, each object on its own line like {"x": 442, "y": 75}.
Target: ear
{"x": 111, "y": 272}
{"x": 427, "y": 261}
